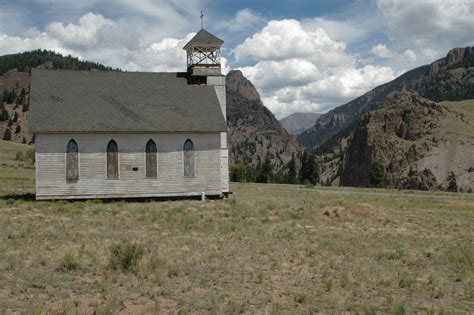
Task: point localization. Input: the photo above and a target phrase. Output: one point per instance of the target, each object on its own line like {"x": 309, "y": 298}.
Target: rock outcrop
{"x": 449, "y": 78}
{"x": 406, "y": 135}
{"x": 253, "y": 129}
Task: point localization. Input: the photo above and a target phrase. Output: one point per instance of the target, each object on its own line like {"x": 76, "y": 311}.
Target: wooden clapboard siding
{"x": 170, "y": 181}
{"x": 219, "y": 86}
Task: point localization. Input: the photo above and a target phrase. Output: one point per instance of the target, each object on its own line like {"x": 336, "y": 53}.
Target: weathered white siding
{"x": 210, "y": 164}
{"x": 219, "y": 85}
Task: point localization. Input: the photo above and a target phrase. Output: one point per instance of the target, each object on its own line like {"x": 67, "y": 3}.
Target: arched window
{"x": 150, "y": 159}
{"x": 112, "y": 160}
{"x": 72, "y": 161}
{"x": 188, "y": 158}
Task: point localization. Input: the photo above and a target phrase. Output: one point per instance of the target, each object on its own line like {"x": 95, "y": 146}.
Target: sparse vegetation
{"x": 268, "y": 248}
{"x": 125, "y": 256}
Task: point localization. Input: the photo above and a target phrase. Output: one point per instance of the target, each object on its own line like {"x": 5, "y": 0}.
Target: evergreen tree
{"x": 238, "y": 172}
{"x": 377, "y": 174}
{"x": 313, "y": 169}
{"x": 452, "y": 183}
{"x": 309, "y": 168}
{"x": 267, "y": 170}
{"x": 292, "y": 174}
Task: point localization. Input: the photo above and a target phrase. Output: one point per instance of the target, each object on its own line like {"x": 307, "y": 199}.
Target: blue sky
{"x": 301, "y": 55}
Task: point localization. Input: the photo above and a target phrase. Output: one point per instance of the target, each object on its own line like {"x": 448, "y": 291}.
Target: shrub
{"x": 68, "y": 262}
{"x": 19, "y": 156}
{"x": 30, "y": 155}
{"x": 237, "y": 172}
{"x": 405, "y": 282}
{"x": 300, "y": 298}
{"x": 125, "y": 256}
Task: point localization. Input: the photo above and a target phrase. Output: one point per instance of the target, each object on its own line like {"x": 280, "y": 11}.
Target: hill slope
{"x": 299, "y": 122}
{"x": 15, "y": 88}
{"x": 253, "y": 130}
{"x": 417, "y": 142}
{"x": 449, "y": 78}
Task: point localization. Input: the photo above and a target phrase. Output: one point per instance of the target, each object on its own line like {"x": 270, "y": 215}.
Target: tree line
{"x": 307, "y": 173}
{"x": 31, "y": 59}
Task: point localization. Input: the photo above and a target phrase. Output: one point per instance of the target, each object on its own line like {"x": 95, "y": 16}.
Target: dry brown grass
{"x": 268, "y": 249}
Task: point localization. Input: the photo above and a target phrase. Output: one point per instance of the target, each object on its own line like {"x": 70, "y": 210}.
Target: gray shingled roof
{"x": 203, "y": 37}
{"x": 110, "y": 101}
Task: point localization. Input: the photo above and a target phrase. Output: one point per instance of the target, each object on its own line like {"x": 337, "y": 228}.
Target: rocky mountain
{"x": 253, "y": 129}
{"x": 299, "y": 122}
{"x": 415, "y": 142}
{"x": 449, "y": 78}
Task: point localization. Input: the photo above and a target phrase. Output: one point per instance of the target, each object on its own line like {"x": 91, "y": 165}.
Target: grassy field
{"x": 267, "y": 249}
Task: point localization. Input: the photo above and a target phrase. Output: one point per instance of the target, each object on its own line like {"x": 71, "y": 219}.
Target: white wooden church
{"x": 132, "y": 134}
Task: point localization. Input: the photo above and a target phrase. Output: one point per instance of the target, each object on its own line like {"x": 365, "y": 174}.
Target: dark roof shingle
{"x": 111, "y": 101}
{"x": 203, "y": 37}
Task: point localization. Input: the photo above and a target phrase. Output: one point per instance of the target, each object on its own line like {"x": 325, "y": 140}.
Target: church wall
{"x": 51, "y": 166}
{"x": 219, "y": 85}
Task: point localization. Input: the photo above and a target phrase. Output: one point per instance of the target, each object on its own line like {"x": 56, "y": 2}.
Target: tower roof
{"x": 205, "y": 38}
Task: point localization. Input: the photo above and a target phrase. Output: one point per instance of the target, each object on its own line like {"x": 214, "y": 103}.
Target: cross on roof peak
{"x": 202, "y": 20}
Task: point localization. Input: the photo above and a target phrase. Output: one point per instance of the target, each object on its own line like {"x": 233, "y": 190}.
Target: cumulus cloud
{"x": 114, "y": 43}
{"x": 430, "y": 22}
{"x": 382, "y": 51}
{"x": 245, "y": 19}
{"x": 300, "y": 68}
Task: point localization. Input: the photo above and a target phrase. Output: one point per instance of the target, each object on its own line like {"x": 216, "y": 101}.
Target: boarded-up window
{"x": 112, "y": 160}
{"x": 150, "y": 159}
{"x": 188, "y": 158}
{"x": 72, "y": 161}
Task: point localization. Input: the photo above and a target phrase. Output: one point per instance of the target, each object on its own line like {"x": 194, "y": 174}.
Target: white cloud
{"x": 244, "y": 19}
{"x": 114, "y": 43}
{"x": 347, "y": 31}
{"x": 300, "y": 68}
{"x": 430, "y": 22}
{"x": 284, "y": 39}
{"x": 383, "y": 52}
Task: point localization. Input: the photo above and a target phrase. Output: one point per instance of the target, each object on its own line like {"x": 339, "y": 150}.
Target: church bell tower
{"x": 203, "y": 55}
{"x": 204, "y": 68}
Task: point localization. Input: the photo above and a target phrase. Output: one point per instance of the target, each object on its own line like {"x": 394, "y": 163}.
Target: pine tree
{"x": 309, "y": 168}
{"x": 313, "y": 169}
{"x": 452, "y": 183}
{"x": 292, "y": 174}
{"x": 267, "y": 170}
{"x": 377, "y": 174}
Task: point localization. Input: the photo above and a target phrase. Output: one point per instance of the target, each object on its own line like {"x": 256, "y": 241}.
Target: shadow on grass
{"x": 32, "y": 197}
{"x": 23, "y": 197}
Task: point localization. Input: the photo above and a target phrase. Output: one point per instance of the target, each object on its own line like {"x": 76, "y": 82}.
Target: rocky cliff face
{"x": 449, "y": 78}
{"x": 253, "y": 129}
{"x": 409, "y": 136}
{"x": 14, "y": 113}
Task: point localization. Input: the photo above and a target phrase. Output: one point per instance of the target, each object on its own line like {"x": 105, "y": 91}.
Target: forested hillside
{"x": 15, "y": 87}
{"x": 23, "y": 62}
